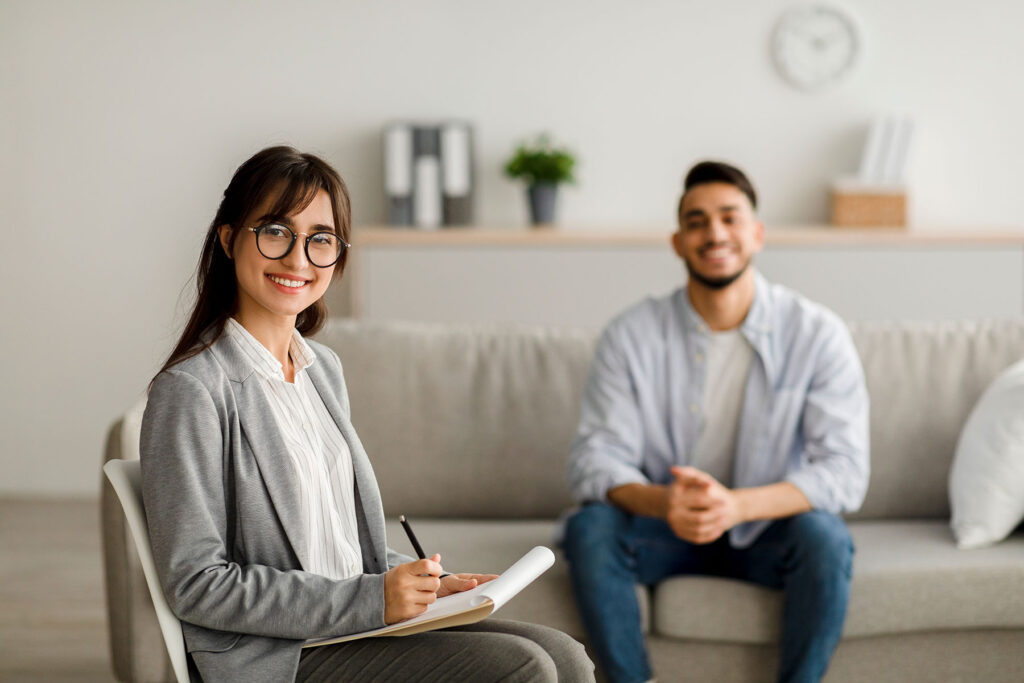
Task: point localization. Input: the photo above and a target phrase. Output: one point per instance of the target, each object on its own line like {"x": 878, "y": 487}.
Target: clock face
{"x": 815, "y": 46}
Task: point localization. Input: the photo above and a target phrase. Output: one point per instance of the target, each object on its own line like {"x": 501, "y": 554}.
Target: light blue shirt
{"x": 805, "y": 407}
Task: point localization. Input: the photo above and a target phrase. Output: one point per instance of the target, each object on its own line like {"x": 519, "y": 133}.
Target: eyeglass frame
{"x": 345, "y": 246}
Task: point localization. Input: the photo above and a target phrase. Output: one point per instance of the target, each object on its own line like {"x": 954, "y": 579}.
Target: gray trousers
{"x": 489, "y": 650}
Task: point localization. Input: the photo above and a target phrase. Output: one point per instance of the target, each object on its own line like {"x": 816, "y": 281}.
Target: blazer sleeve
{"x": 183, "y": 483}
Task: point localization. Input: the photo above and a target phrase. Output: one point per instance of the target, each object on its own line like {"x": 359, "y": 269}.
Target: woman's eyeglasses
{"x": 323, "y": 249}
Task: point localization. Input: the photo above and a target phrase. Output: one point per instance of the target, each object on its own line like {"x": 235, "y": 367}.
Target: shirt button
{"x": 693, "y": 407}
{"x": 699, "y": 357}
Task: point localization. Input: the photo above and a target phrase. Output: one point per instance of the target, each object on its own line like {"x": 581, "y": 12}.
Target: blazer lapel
{"x": 260, "y": 429}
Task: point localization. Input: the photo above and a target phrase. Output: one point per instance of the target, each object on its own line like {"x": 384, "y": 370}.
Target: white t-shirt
{"x": 728, "y": 363}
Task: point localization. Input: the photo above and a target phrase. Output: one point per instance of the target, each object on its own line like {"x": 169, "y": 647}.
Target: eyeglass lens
{"x": 275, "y": 241}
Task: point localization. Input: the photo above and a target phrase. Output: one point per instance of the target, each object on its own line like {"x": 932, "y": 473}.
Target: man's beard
{"x": 716, "y": 282}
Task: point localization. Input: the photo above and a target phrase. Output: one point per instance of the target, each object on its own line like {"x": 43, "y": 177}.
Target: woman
{"x": 264, "y": 515}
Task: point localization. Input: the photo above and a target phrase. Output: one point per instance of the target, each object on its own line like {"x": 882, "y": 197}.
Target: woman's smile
{"x": 290, "y": 284}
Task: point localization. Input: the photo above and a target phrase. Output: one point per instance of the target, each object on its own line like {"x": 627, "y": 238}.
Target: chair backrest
{"x": 125, "y": 477}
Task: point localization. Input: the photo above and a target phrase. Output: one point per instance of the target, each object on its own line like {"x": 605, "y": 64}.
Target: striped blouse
{"x": 318, "y": 452}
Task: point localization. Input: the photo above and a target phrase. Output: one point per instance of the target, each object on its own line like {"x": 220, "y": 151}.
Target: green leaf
{"x": 541, "y": 162}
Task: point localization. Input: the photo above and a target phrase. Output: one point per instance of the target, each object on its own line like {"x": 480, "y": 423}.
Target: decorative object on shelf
{"x": 542, "y": 166}
{"x": 855, "y": 205}
{"x": 428, "y": 175}
{"x": 877, "y": 196}
{"x": 816, "y": 46}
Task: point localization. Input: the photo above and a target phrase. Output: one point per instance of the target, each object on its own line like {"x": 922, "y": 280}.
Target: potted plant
{"x": 543, "y": 166}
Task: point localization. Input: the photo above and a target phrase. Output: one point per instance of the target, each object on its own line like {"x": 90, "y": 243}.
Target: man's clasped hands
{"x": 699, "y": 508}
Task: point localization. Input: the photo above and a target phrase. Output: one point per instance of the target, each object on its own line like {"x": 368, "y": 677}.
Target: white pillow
{"x": 986, "y": 482}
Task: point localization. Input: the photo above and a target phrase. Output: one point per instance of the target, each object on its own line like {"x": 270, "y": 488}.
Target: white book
{"x": 872, "y": 159}
{"x": 890, "y": 158}
{"x": 897, "y": 171}
{"x": 455, "y": 159}
{"x": 426, "y": 200}
{"x": 398, "y": 160}
{"x": 467, "y": 607}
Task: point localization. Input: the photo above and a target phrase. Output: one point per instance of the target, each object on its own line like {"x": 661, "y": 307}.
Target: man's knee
{"x": 823, "y": 540}
{"x": 594, "y": 530}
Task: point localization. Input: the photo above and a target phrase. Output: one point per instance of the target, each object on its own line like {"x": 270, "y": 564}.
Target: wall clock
{"x": 816, "y": 46}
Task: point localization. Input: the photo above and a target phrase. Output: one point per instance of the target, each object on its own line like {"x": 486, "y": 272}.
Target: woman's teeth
{"x": 287, "y": 283}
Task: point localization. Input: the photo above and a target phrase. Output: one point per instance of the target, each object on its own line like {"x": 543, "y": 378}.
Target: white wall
{"x": 121, "y": 122}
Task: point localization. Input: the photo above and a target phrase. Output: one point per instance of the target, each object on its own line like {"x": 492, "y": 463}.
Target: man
{"x": 723, "y": 429}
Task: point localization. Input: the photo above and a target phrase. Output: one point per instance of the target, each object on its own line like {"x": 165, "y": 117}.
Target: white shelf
{"x": 581, "y": 278}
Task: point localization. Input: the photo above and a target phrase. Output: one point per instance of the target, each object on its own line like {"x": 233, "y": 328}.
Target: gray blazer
{"x": 221, "y": 502}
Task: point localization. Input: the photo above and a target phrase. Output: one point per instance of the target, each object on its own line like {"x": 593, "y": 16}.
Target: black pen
{"x": 412, "y": 537}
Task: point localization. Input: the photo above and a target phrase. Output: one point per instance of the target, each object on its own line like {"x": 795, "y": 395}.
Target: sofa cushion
{"x": 465, "y": 421}
{"x": 908, "y": 576}
{"x": 923, "y": 379}
{"x": 986, "y": 484}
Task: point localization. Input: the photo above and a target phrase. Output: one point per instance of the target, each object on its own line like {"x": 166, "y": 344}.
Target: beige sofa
{"x": 468, "y": 428}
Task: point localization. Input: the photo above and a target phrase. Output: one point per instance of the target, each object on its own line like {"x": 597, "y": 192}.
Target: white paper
{"x": 518, "y": 576}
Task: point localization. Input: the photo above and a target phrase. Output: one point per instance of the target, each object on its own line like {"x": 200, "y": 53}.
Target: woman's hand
{"x": 456, "y": 583}
{"x": 410, "y": 587}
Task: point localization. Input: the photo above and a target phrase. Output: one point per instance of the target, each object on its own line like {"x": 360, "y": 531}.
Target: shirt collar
{"x": 756, "y": 327}
{"x": 261, "y": 360}
{"x": 758, "y": 317}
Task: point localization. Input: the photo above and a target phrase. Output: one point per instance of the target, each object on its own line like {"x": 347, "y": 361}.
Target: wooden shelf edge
{"x": 378, "y": 236}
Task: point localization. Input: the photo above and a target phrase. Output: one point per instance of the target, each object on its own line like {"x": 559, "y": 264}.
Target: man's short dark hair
{"x": 718, "y": 172}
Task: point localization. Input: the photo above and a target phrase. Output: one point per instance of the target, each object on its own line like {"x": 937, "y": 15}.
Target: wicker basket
{"x": 869, "y": 209}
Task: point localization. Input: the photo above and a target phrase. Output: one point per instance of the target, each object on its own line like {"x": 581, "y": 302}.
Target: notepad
{"x": 463, "y": 608}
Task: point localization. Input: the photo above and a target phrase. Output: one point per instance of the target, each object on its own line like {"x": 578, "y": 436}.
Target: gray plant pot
{"x": 543, "y": 197}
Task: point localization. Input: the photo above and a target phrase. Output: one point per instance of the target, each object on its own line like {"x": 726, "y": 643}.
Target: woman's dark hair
{"x": 292, "y": 179}
{"x": 718, "y": 172}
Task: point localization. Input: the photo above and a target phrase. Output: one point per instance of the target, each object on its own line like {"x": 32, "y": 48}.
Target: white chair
{"x": 125, "y": 477}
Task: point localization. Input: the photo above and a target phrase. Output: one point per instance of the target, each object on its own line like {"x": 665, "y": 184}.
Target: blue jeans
{"x": 809, "y": 556}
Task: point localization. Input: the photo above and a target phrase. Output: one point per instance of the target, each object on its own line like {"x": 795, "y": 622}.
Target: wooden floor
{"x": 53, "y": 623}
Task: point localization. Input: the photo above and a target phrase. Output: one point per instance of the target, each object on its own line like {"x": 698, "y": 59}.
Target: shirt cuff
{"x": 818, "y": 493}
{"x": 619, "y": 477}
